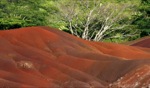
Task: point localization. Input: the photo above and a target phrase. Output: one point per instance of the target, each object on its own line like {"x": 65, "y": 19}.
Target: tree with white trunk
{"x": 92, "y": 19}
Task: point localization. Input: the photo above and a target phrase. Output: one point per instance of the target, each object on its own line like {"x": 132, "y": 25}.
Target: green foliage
{"x": 22, "y": 13}
{"x": 142, "y": 19}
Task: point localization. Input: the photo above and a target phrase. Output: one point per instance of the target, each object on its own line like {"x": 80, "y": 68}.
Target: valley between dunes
{"x": 47, "y": 57}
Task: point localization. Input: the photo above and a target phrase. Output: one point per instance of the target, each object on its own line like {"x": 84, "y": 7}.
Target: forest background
{"x": 94, "y": 20}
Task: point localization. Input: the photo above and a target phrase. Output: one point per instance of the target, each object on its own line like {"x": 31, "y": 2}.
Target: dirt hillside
{"x": 46, "y": 57}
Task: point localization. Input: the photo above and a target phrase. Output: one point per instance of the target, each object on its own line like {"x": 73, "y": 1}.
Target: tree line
{"x": 93, "y": 20}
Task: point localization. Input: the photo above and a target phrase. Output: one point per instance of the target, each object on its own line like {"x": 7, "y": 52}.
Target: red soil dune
{"x": 142, "y": 42}
{"x": 47, "y": 57}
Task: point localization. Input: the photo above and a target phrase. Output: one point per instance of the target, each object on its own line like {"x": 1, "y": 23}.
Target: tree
{"x": 22, "y": 13}
{"x": 93, "y": 20}
{"x": 142, "y": 18}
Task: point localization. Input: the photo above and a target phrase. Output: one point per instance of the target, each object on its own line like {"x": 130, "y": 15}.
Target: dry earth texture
{"x": 46, "y": 57}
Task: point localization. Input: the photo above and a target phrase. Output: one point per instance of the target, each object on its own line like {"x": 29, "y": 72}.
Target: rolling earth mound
{"x": 142, "y": 42}
{"x": 47, "y": 57}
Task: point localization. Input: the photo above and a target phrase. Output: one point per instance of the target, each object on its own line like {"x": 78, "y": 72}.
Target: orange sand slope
{"x": 46, "y": 57}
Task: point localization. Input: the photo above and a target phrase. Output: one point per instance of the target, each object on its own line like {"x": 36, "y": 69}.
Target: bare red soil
{"x": 142, "y": 42}
{"x": 47, "y": 57}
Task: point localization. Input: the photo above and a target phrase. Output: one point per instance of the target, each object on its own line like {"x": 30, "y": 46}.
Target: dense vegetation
{"x": 94, "y": 20}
